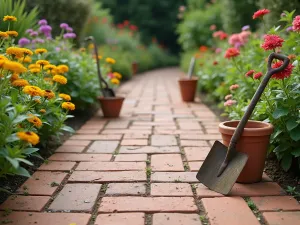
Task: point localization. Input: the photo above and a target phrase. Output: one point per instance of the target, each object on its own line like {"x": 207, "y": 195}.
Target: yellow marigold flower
{"x": 35, "y": 121}
{"x": 99, "y": 56}
{"x": 12, "y": 33}
{"x": 14, "y": 66}
{"x": 15, "y": 52}
{"x": 68, "y": 106}
{"x": 115, "y": 81}
{"x": 117, "y": 75}
{"x": 37, "y": 101}
{"x": 31, "y": 66}
{"x": 33, "y": 91}
{"x": 35, "y": 70}
{"x": 27, "y": 51}
{"x": 63, "y": 68}
{"x": 29, "y": 136}
{"x": 91, "y": 46}
{"x": 60, "y": 79}
{"x": 14, "y": 77}
{"x": 2, "y": 57}
{"x": 43, "y": 111}
{"x": 49, "y": 94}
{"x": 3, "y": 34}
{"x": 110, "y": 60}
{"x": 40, "y": 51}
{"x": 49, "y": 67}
{"x": 27, "y": 59}
{"x": 42, "y": 62}
{"x": 9, "y": 18}
{"x": 20, "y": 83}
{"x": 65, "y": 97}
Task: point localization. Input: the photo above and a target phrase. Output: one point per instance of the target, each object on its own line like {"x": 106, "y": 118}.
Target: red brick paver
{"x": 140, "y": 169}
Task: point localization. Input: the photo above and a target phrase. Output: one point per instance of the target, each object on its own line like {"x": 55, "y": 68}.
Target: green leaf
{"x": 29, "y": 151}
{"x": 4, "y": 190}
{"x": 281, "y": 148}
{"x": 291, "y": 124}
{"x": 68, "y": 129}
{"x": 22, "y": 172}
{"x": 296, "y": 152}
{"x": 279, "y": 112}
{"x": 19, "y": 119}
{"x": 25, "y": 161}
{"x": 12, "y": 138}
{"x": 295, "y": 134}
{"x": 13, "y": 162}
{"x": 286, "y": 162}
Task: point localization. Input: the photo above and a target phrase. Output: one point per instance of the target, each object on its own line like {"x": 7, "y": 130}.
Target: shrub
{"x": 25, "y": 20}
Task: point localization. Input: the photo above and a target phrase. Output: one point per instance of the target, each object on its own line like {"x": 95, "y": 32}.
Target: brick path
{"x": 140, "y": 169}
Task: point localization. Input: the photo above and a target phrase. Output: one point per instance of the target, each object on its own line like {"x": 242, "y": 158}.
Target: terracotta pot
{"x": 134, "y": 68}
{"x": 188, "y": 88}
{"x": 254, "y": 142}
{"x": 111, "y": 106}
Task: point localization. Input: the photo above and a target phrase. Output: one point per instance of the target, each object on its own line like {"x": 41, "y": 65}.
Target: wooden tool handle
{"x": 240, "y": 128}
{"x": 191, "y": 68}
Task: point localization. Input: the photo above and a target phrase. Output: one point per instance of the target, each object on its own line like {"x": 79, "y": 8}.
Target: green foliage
{"x": 235, "y": 17}
{"x": 277, "y": 7}
{"x": 194, "y": 30}
{"x": 25, "y": 19}
{"x": 73, "y": 12}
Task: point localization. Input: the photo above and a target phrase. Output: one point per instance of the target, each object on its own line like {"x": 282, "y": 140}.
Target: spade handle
{"x": 240, "y": 128}
{"x": 191, "y": 68}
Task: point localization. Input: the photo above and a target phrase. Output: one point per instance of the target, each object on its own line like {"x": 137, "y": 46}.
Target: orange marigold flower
{"x": 12, "y": 33}
{"x": 35, "y": 70}
{"x": 29, "y": 137}
{"x": 14, "y": 66}
{"x": 68, "y": 106}
{"x": 260, "y": 13}
{"x": 48, "y": 94}
{"x": 20, "y": 83}
{"x": 65, "y": 97}
{"x": 35, "y": 121}
{"x": 110, "y": 60}
{"x": 49, "y": 67}
{"x": 40, "y": 51}
{"x": 115, "y": 81}
{"x": 14, "y": 77}
{"x": 33, "y": 91}
{"x": 27, "y": 59}
{"x": 63, "y": 68}
{"x": 42, "y": 62}
{"x": 232, "y": 52}
{"x": 60, "y": 79}
{"x": 117, "y": 75}
{"x": 43, "y": 111}
{"x": 3, "y": 35}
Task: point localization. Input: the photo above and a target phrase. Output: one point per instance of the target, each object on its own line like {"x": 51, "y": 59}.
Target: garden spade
{"x": 106, "y": 91}
{"x": 191, "y": 68}
{"x": 223, "y": 165}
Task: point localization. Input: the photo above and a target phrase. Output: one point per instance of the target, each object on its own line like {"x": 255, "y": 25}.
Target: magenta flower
{"x": 28, "y": 31}
{"x": 23, "y": 41}
{"x": 69, "y": 35}
{"x": 43, "y": 22}
{"x": 38, "y": 40}
{"x": 69, "y": 29}
{"x": 64, "y": 26}
{"x": 34, "y": 34}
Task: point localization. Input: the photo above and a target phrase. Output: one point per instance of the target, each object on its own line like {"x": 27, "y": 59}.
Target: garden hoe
{"x": 106, "y": 91}
{"x": 191, "y": 68}
{"x": 223, "y": 165}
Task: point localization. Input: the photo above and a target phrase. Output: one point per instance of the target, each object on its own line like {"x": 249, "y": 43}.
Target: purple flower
{"x": 289, "y": 29}
{"x": 282, "y": 15}
{"x": 69, "y": 35}
{"x": 70, "y": 29}
{"x": 247, "y": 27}
{"x": 57, "y": 49}
{"x": 29, "y": 31}
{"x": 64, "y": 26}
{"x": 34, "y": 34}
{"x": 38, "y": 40}
{"x": 43, "y": 22}
{"x": 23, "y": 42}
{"x": 45, "y": 29}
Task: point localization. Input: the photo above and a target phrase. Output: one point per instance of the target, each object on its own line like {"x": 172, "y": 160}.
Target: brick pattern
{"x": 141, "y": 169}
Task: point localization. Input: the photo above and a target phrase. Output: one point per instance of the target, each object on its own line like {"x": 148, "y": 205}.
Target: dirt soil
{"x": 12, "y": 183}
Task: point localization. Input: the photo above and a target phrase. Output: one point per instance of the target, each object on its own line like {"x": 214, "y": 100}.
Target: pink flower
{"x": 213, "y": 27}
{"x": 229, "y": 102}
{"x": 260, "y": 13}
{"x": 272, "y": 41}
{"x": 296, "y": 24}
{"x": 283, "y": 74}
{"x": 234, "y": 86}
{"x": 227, "y": 97}
{"x": 220, "y": 34}
{"x": 181, "y": 8}
{"x": 257, "y": 75}
{"x": 232, "y": 52}
{"x": 249, "y": 73}
{"x": 218, "y": 50}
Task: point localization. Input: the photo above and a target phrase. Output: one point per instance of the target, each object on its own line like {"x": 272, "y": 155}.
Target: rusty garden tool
{"x": 106, "y": 91}
{"x": 223, "y": 165}
{"x": 191, "y": 68}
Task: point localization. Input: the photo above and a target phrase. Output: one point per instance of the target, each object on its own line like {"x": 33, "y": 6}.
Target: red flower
{"x": 249, "y": 73}
{"x": 296, "y": 24}
{"x": 272, "y": 41}
{"x": 126, "y": 22}
{"x": 215, "y": 63}
{"x": 220, "y": 34}
{"x": 133, "y": 27}
{"x": 234, "y": 86}
{"x": 120, "y": 26}
{"x": 257, "y": 75}
{"x": 260, "y": 13}
{"x": 203, "y": 48}
{"x": 232, "y": 52}
{"x": 283, "y": 74}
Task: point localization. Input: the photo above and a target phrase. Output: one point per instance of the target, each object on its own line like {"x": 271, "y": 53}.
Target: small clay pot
{"x": 188, "y": 88}
{"x": 254, "y": 142}
{"x": 134, "y": 66}
{"x": 111, "y": 106}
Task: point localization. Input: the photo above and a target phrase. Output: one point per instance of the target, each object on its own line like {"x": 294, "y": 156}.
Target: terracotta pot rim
{"x": 185, "y": 79}
{"x": 110, "y": 98}
{"x": 258, "y": 128}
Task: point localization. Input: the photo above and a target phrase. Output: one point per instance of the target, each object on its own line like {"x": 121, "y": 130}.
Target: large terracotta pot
{"x": 134, "y": 66}
{"x": 254, "y": 142}
{"x": 188, "y": 88}
{"x": 111, "y": 106}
